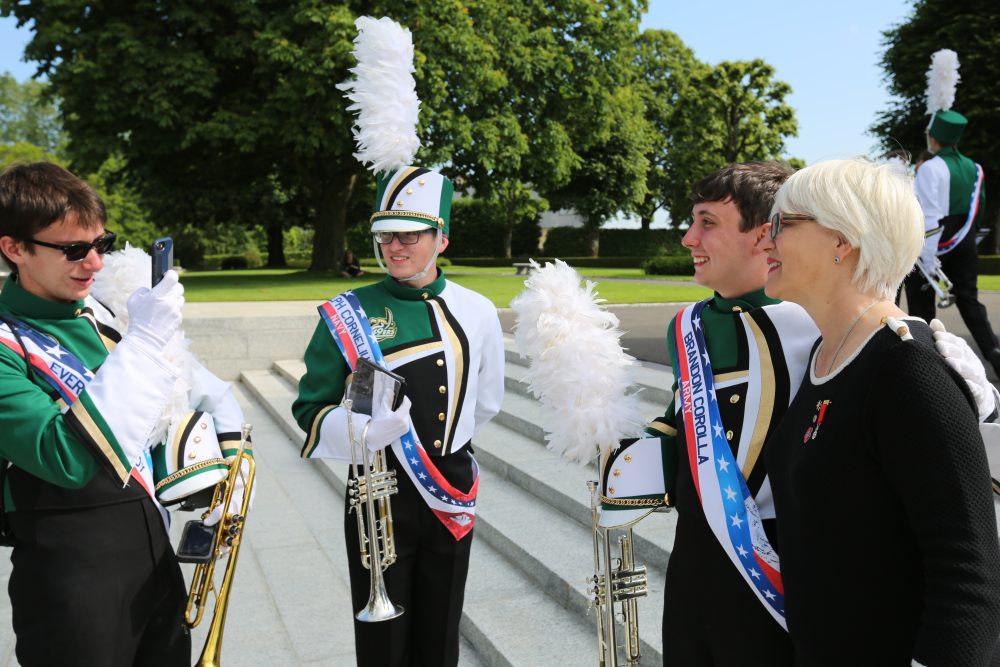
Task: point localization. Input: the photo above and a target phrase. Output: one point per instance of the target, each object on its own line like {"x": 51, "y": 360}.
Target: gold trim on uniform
{"x": 766, "y": 403}
{"x": 99, "y": 439}
{"x": 631, "y": 502}
{"x": 313, "y": 438}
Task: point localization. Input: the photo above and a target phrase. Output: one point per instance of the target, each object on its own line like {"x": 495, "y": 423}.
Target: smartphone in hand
{"x": 162, "y": 253}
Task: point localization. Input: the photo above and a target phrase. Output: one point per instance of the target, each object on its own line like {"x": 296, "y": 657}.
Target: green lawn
{"x": 989, "y": 283}
{"x": 294, "y": 284}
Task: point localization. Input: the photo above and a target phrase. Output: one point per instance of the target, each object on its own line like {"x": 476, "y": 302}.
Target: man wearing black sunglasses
{"x": 94, "y": 580}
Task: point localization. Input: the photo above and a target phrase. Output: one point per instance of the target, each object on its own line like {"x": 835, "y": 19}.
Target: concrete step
{"x": 654, "y": 380}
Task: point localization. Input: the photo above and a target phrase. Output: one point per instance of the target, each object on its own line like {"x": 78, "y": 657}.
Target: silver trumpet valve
{"x": 620, "y": 585}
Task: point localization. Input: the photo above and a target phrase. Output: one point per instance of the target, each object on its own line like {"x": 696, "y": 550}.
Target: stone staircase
{"x": 526, "y": 598}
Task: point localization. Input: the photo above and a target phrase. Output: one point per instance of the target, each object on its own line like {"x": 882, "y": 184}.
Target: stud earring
{"x": 836, "y": 260}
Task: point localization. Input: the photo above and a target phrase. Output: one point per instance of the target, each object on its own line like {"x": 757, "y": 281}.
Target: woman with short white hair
{"x": 889, "y": 550}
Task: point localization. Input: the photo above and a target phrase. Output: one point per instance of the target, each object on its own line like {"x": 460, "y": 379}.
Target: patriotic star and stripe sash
{"x": 729, "y": 506}
{"x": 68, "y": 376}
{"x": 956, "y": 238}
{"x": 352, "y": 332}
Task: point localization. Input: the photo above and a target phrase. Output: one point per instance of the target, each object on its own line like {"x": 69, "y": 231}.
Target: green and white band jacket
{"x": 759, "y": 349}
{"x": 444, "y": 339}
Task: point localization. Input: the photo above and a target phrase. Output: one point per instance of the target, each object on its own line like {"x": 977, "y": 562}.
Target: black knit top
{"x": 889, "y": 549}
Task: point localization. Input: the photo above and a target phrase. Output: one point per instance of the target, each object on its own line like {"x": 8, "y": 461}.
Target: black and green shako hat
{"x": 947, "y": 127}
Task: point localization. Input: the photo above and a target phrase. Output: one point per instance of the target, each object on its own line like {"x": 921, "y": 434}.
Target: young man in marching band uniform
{"x": 952, "y": 195}
{"x": 446, "y": 342}
{"x": 94, "y": 580}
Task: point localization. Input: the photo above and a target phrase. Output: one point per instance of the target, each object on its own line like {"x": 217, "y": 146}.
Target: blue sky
{"x": 828, "y": 53}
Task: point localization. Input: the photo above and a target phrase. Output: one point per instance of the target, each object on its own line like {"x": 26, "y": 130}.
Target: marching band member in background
{"x": 94, "y": 580}
{"x": 952, "y": 194}
{"x": 889, "y": 549}
{"x": 443, "y": 339}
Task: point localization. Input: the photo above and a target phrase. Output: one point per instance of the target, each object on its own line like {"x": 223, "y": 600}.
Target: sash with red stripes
{"x": 68, "y": 376}
{"x": 729, "y": 507}
{"x": 352, "y": 332}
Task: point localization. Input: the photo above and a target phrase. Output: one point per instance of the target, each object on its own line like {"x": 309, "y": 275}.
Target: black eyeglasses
{"x": 779, "y": 218}
{"x": 77, "y": 252}
{"x": 406, "y": 238}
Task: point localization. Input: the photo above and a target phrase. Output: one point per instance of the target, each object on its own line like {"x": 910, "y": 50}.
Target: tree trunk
{"x": 276, "y": 243}
{"x": 330, "y": 223}
{"x": 645, "y": 222}
{"x": 593, "y": 241}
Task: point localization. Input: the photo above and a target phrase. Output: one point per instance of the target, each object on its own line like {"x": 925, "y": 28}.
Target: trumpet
{"x": 368, "y": 493}
{"x": 228, "y": 533}
{"x": 621, "y": 585}
{"x": 938, "y": 282}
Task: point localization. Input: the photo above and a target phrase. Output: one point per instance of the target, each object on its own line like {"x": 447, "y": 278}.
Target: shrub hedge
{"x": 669, "y": 265}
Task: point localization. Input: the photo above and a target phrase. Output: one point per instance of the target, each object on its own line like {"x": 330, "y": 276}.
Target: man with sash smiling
{"x": 738, "y": 359}
{"x": 446, "y": 342}
{"x": 94, "y": 580}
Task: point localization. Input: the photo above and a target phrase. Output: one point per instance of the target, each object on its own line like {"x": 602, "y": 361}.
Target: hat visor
{"x": 400, "y": 225}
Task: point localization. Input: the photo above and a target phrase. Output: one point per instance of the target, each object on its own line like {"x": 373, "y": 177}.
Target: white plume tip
{"x": 384, "y": 94}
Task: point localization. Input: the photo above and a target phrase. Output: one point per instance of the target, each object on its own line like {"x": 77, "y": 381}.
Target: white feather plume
{"x": 577, "y": 365}
{"x": 384, "y": 95}
{"x": 942, "y": 80}
{"x": 124, "y": 272}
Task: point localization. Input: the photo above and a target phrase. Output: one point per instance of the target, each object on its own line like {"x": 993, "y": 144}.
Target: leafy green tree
{"x": 604, "y": 114}
{"x": 29, "y": 115}
{"x": 972, "y": 29}
{"x": 669, "y": 72}
{"x": 733, "y": 112}
{"x": 748, "y": 112}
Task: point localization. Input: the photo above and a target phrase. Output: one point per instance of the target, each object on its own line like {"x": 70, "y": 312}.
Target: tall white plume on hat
{"x": 942, "y": 80}
{"x": 384, "y": 94}
{"x": 578, "y": 368}
{"x": 124, "y": 272}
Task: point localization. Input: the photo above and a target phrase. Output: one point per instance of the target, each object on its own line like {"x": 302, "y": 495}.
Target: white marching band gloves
{"x": 386, "y": 424}
{"x": 155, "y": 314}
{"x": 959, "y": 356}
{"x": 386, "y": 427}
{"x": 236, "y": 502}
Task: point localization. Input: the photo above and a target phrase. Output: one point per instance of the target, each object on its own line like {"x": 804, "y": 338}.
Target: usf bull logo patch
{"x": 383, "y": 327}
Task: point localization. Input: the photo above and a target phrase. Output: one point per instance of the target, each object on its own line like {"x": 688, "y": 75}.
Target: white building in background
{"x": 569, "y": 218}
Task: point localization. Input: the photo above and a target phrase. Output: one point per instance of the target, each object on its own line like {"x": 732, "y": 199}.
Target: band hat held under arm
{"x": 632, "y": 482}
{"x": 412, "y": 199}
{"x": 190, "y": 460}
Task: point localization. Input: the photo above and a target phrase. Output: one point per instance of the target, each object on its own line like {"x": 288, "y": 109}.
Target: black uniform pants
{"x": 711, "y": 618}
{"x": 97, "y": 586}
{"x": 960, "y": 265}
{"x": 427, "y": 579}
